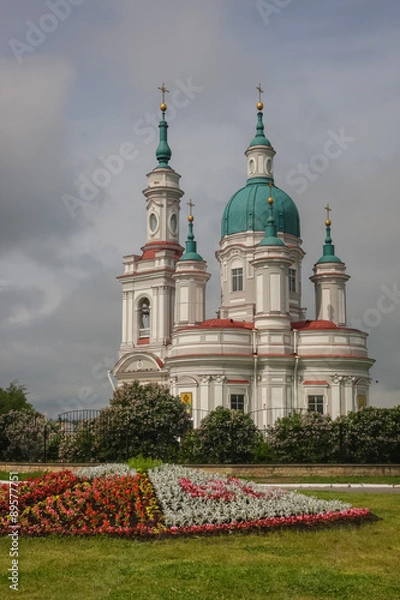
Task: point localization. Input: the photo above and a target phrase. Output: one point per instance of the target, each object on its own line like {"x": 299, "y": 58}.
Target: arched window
{"x": 144, "y": 318}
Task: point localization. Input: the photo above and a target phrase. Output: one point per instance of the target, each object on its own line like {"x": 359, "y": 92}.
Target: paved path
{"x": 373, "y": 488}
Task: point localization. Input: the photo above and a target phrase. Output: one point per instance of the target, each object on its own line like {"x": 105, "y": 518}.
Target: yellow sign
{"x": 187, "y": 398}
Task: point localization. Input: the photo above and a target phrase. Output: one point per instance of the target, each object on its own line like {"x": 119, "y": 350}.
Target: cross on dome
{"x": 191, "y": 205}
{"x": 328, "y": 210}
{"x": 164, "y": 91}
{"x": 260, "y": 105}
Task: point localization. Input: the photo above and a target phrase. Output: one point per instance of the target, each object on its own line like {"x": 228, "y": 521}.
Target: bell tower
{"x": 148, "y": 286}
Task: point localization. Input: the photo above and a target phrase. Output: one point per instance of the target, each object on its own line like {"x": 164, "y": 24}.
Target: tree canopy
{"x": 14, "y": 398}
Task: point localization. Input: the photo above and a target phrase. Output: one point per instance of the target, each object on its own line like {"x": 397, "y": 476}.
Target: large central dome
{"x": 247, "y": 210}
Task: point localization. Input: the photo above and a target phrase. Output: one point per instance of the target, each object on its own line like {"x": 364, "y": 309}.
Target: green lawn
{"x": 389, "y": 479}
{"x": 346, "y": 564}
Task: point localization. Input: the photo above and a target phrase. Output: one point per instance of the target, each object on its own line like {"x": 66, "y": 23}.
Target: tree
{"x": 224, "y": 436}
{"x": 14, "y": 398}
{"x": 141, "y": 419}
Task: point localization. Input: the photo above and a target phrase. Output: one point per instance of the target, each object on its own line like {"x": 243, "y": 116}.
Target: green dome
{"x": 247, "y": 210}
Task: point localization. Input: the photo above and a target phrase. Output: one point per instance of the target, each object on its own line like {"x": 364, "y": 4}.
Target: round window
{"x": 153, "y": 222}
{"x": 268, "y": 166}
{"x": 174, "y": 223}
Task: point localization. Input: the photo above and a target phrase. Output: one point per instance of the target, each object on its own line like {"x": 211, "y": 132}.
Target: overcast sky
{"x": 79, "y": 82}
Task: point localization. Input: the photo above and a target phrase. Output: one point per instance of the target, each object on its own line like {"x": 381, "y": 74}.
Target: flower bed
{"x": 171, "y": 500}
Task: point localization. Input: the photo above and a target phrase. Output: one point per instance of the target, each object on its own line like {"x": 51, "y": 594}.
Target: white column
{"x": 204, "y": 401}
{"x": 131, "y": 315}
{"x": 335, "y": 396}
{"x": 124, "y": 317}
{"x": 218, "y": 391}
{"x": 348, "y": 395}
{"x": 154, "y": 320}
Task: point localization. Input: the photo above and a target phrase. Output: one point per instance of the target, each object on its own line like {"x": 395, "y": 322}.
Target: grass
{"x": 346, "y": 564}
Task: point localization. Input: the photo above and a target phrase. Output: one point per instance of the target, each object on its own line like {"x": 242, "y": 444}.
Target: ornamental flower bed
{"x": 170, "y": 500}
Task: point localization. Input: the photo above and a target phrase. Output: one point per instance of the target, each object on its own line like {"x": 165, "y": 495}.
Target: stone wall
{"x": 256, "y": 471}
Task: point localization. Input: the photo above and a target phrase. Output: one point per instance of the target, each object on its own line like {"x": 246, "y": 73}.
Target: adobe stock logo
{"x": 36, "y": 34}
{"x": 319, "y": 162}
{"x": 89, "y": 185}
{"x": 267, "y": 9}
{"x": 386, "y": 304}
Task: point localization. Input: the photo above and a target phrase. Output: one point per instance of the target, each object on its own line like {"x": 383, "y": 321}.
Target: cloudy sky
{"x": 79, "y": 82}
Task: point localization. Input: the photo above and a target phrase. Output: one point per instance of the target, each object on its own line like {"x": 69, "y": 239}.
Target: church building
{"x": 261, "y": 355}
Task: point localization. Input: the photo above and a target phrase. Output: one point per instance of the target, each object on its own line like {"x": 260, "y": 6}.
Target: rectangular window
{"x": 237, "y": 280}
{"x": 292, "y": 280}
{"x": 237, "y": 402}
{"x": 316, "y": 404}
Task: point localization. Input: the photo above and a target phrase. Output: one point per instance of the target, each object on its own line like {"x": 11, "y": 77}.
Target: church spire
{"x": 271, "y": 238}
{"x": 260, "y": 139}
{"x": 163, "y": 152}
{"x": 329, "y": 248}
{"x": 260, "y": 153}
{"x": 191, "y": 244}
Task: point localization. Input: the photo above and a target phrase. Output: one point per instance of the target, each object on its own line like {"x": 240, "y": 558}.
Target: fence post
{"x": 45, "y": 443}
{"x": 341, "y": 442}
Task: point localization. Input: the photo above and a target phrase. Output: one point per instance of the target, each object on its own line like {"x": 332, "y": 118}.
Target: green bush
{"x": 371, "y": 435}
{"x": 304, "y": 437}
{"x": 142, "y": 464}
{"x": 263, "y": 453}
{"x": 224, "y": 436}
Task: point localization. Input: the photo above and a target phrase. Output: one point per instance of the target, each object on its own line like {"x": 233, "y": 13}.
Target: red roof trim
{"x": 238, "y": 381}
{"x": 317, "y": 325}
{"x": 224, "y": 324}
{"x": 315, "y": 382}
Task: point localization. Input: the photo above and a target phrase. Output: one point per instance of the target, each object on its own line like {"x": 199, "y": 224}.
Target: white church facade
{"x": 261, "y": 354}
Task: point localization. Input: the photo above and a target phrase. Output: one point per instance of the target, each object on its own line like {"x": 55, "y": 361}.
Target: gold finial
{"x": 190, "y": 217}
{"x": 164, "y": 91}
{"x": 328, "y": 210}
{"x": 260, "y": 105}
{"x": 270, "y": 199}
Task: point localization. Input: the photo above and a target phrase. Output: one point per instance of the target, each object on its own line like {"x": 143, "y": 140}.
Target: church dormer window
{"x": 237, "y": 280}
{"x": 144, "y": 318}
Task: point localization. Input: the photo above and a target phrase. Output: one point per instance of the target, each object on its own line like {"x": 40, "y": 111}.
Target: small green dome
{"x": 260, "y": 139}
{"x": 329, "y": 255}
{"x": 247, "y": 210}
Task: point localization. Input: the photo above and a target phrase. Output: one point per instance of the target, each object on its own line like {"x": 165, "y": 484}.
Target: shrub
{"x": 224, "y": 436}
{"x": 27, "y": 436}
{"x": 371, "y": 435}
{"x": 304, "y": 437}
{"x": 143, "y": 464}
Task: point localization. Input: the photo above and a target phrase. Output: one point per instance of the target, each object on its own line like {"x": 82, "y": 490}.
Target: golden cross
{"x": 190, "y": 203}
{"x": 328, "y": 210}
{"x": 260, "y": 91}
{"x": 163, "y": 91}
